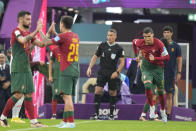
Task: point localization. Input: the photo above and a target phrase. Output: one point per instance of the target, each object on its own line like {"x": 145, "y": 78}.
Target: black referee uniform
{"x": 109, "y": 56}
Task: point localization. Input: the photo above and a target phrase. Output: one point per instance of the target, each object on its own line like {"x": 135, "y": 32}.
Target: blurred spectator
{"x": 123, "y": 94}
{"x": 1, "y": 8}
{"x": 5, "y": 88}
{"x": 8, "y": 57}
{"x": 3, "y": 5}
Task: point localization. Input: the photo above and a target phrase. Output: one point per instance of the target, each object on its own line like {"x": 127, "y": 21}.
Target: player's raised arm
{"x": 50, "y": 68}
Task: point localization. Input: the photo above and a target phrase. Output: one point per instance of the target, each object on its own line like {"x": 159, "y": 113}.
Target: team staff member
{"x": 175, "y": 54}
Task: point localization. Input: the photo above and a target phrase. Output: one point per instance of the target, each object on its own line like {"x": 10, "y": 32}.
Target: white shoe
{"x": 152, "y": 112}
{"x": 164, "y": 116}
{"x": 61, "y": 124}
{"x": 68, "y": 125}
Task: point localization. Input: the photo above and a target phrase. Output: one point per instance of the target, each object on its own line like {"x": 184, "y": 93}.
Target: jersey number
{"x": 73, "y": 51}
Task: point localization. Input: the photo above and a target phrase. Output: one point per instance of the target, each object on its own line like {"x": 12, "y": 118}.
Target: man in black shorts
{"x": 109, "y": 52}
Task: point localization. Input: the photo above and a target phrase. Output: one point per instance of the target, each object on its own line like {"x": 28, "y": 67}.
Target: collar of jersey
{"x": 112, "y": 44}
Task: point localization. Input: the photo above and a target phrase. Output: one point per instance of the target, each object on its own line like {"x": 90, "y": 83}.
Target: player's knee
{"x": 112, "y": 92}
{"x": 160, "y": 91}
{"x": 29, "y": 95}
{"x": 98, "y": 90}
{"x": 148, "y": 85}
{"x": 18, "y": 95}
{"x": 169, "y": 95}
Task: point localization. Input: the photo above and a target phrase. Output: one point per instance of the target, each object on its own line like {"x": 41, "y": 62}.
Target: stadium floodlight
{"x": 142, "y": 21}
{"x": 191, "y": 17}
{"x": 115, "y": 10}
{"x": 110, "y": 22}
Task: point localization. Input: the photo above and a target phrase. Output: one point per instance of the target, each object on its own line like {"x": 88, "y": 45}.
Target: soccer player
{"x": 21, "y": 76}
{"x": 174, "y": 51}
{"x": 154, "y": 54}
{"x": 68, "y": 43}
{"x": 110, "y": 53}
{"x": 42, "y": 68}
{"x": 155, "y": 96}
{"x": 54, "y": 70}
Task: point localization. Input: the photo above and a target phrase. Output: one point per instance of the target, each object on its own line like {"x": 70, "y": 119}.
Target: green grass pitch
{"x": 107, "y": 125}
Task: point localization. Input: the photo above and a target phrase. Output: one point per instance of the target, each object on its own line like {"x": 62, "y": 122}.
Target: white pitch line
{"x": 77, "y": 123}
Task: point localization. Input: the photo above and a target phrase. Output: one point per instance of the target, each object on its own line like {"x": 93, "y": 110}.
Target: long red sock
{"x": 149, "y": 95}
{"x": 54, "y": 106}
{"x": 162, "y": 101}
{"x": 9, "y": 105}
{"x": 29, "y": 107}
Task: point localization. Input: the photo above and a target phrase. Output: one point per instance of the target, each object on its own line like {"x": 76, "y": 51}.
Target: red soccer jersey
{"x": 157, "y": 49}
{"x": 68, "y": 47}
{"x": 56, "y": 53}
{"x": 18, "y": 32}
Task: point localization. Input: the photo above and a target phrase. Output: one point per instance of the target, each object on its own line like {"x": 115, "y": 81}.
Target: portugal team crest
{"x": 172, "y": 49}
{"x": 113, "y": 56}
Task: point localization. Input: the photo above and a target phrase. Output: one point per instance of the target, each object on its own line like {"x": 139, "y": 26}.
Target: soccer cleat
{"x": 111, "y": 117}
{"x": 17, "y": 120}
{"x": 68, "y": 125}
{"x": 94, "y": 117}
{"x": 37, "y": 125}
{"x": 4, "y": 123}
{"x": 152, "y": 112}
{"x": 61, "y": 124}
{"x": 157, "y": 118}
{"x": 142, "y": 118}
{"x": 164, "y": 116}
{"x": 53, "y": 117}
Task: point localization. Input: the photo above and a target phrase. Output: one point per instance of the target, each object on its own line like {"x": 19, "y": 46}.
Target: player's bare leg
{"x": 68, "y": 115}
{"x": 28, "y": 103}
{"x": 8, "y": 107}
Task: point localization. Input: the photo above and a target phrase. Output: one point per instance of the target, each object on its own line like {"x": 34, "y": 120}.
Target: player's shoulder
{"x": 176, "y": 44}
{"x": 16, "y": 31}
{"x": 138, "y": 41}
{"x": 157, "y": 40}
{"x": 103, "y": 44}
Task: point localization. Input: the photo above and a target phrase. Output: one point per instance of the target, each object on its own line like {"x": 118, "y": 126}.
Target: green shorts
{"x": 153, "y": 73}
{"x": 22, "y": 82}
{"x": 55, "y": 88}
{"x": 43, "y": 69}
{"x": 67, "y": 84}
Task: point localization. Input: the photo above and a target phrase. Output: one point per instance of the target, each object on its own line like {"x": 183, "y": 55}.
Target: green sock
{"x": 146, "y": 108}
{"x": 65, "y": 116}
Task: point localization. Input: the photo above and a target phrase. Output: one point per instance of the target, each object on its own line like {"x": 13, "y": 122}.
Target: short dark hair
{"x": 67, "y": 21}
{"x": 147, "y": 30}
{"x": 112, "y": 30}
{"x": 22, "y": 13}
{"x": 168, "y": 28}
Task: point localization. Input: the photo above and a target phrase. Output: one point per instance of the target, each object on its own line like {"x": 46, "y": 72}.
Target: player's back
{"x": 69, "y": 51}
